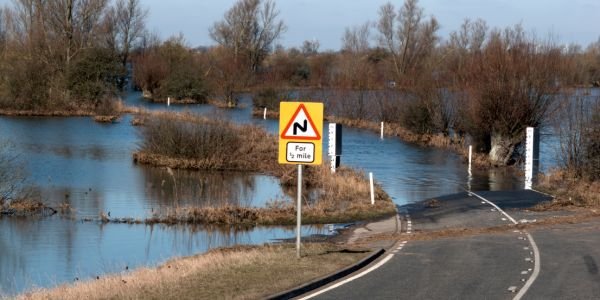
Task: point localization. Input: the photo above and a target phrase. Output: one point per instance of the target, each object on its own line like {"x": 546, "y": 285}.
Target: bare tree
{"x": 508, "y": 87}
{"x": 357, "y": 39}
{"x": 407, "y": 36}
{"x": 310, "y": 47}
{"x": 130, "y": 21}
{"x": 75, "y": 23}
{"x": 249, "y": 29}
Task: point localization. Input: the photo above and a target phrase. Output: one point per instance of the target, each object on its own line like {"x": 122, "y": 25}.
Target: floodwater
{"x": 89, "y": 166}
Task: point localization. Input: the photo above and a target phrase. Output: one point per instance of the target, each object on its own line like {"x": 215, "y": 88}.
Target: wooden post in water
{"x": 382, "y": 130}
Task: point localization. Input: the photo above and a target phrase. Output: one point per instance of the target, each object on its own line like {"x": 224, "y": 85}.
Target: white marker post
{"x": 530, "y": 153}
{"x": 470, "y": 157}
{"x": 470, "y": 178}
{"x": 334, "y": 149}
{"x": 382, "y": 130}
{"x": 372, "y": 188}
{"x": 168, "y": 101}
{"x": 265, "y": 114}
{"x": 299, "y": 211}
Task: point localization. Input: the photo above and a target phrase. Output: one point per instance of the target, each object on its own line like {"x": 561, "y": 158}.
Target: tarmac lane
{"x": 570, "y": 255}
{"x": 494, "y": 265}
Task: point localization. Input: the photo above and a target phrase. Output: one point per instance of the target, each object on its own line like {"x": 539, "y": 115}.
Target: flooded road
{"x": 89, "y": 166}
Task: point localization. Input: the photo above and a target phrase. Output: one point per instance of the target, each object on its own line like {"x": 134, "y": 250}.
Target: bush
{"x": 269, "y": 98}
{"x": 95, "y": 74}
{"x": 579, "y": 132}
{"x": 108, "y": 106}
{"x": 184, "y": 83}
{"x": 11, "y": 177}
{"x": 592, "y": 145}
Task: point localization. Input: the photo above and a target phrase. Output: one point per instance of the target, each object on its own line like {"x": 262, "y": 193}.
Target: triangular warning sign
{"x": 301, "y": 126}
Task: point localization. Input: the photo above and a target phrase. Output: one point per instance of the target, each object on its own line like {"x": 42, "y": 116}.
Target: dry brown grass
{"x": 25, "y": 207}
{"x": 105, "y": 119}
{"x": 211, "y": 144}
{"x": 569, "y": 191}
{"x": 236, "y": 273}
{"x": 47, "y": 113}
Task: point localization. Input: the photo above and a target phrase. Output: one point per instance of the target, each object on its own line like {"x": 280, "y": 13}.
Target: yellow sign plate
{"x": 300, "y": 133}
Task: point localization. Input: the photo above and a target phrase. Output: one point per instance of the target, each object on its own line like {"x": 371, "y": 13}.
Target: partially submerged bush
{"x": 579, "y": 132}
{"x": 269, "y": 98}
{"x": 11, "y": 176}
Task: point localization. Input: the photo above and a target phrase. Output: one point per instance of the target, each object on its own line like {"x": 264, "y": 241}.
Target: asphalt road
{"x": 484, "y": 266}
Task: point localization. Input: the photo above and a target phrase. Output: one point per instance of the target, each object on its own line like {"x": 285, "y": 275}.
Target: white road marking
{"x": 359, "y": 275}
{"x": 536, "y": 252}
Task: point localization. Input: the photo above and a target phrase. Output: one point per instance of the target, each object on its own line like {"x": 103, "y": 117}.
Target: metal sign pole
{"x": 298, "y": 211}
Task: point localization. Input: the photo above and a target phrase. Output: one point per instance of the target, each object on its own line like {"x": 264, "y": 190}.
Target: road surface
{"x": 490, "y": 265}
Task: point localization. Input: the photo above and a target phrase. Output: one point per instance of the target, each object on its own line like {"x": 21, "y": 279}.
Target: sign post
{"x": 300, "y": 143}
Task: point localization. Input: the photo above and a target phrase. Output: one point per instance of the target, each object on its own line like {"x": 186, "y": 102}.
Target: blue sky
{"x": 569, "y": 21}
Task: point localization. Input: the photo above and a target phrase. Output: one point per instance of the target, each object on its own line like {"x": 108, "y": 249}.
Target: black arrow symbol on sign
{"x": 298, "y": 126}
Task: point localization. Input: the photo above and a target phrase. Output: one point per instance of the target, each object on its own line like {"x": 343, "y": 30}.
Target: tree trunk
{"x": 502, "y": 149}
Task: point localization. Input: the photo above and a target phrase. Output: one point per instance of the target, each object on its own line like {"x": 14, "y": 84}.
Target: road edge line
{"x": 536, "y": 251}
{"x": 320, "y": 282}
{"x": 536, "y": 268}
{"x": 359, "y": 275}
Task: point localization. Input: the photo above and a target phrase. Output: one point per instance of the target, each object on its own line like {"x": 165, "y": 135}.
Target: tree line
{"x": 66, "y": 54}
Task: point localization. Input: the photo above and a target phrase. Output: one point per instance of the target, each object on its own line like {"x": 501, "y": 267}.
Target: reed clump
{"x": 184, "y": 140}
{"x": 25, "y": 207}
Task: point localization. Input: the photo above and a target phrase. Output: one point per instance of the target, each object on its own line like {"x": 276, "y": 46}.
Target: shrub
{"x": 95, "y": 74}
{"x": 269, "y": 98}
{"x": 11, "y": 177}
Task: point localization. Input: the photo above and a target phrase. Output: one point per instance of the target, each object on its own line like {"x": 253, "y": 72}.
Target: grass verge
{"x": 569, "y": 191}
{"x": 249, "y": 272}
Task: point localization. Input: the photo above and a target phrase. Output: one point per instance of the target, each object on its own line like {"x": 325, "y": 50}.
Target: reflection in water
{"x": 192, "y": 188}
{"x": 46, "y": 252}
